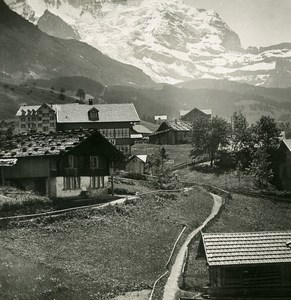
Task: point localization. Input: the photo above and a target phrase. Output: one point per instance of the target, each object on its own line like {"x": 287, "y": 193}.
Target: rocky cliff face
{"x": 55, "y": 26}
{"x": 170, "y": 41}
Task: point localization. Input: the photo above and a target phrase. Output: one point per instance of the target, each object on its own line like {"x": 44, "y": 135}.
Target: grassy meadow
{"x": 96, "y": 254}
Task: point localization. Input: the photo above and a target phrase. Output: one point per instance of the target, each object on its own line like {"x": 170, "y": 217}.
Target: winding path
{"x": 171, "y": 287}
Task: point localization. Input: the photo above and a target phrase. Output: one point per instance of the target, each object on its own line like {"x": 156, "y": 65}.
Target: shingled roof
{"x": 247, "y": 248}
{"x": 50, "y": 144}
{"x": 78, "y": 113}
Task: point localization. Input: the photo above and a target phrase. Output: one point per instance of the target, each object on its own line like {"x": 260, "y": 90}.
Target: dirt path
{"x": 171, "y": 287}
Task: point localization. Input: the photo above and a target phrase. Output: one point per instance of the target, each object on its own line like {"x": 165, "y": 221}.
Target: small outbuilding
{"x": 136, "y": 164}
{"x": 282, "y": 166}
{"x": 248, "y": 265}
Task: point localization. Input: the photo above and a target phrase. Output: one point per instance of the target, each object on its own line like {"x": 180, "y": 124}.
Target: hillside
{"x": 12, "y": 96}
{"x": 30, "y": 53}
{"x": 222, "y": 96}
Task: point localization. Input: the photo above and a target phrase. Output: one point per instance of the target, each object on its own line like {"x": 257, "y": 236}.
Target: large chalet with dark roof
{"x": 61, "y": 164}
{"x": 114, "y": 121}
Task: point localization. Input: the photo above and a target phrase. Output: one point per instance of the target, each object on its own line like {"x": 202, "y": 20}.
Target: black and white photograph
{"x": 145, "y": 149}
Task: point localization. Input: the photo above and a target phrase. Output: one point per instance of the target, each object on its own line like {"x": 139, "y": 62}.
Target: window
{"x": 71, "y": 161}
{"x": 93, "y": 114}
{"x": 110, "y": 133}
{"x": 22, "y": 119}
{"x": 39, "y": 118}
{"x": 52, "y": 118}
{"x": 39, "y": 125}
{"x": 52, "y": 124}
{"x": 32, "y": 118}
{"x": 45, "y": 115}
{"x": 71, "y": 183}
{"x": 97, "y": 182}
{"x": 94, "y": 162}
{"x": 45, "y": 128}
{"x": 46, "y": 121}
{"x": 23, "y": 126}
{"x": 121, "y": 133}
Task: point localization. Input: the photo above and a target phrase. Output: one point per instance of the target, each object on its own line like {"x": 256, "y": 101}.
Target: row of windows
{"x": 23, "y": 119}
{"x": 74, "y": 183}
{"x": 115, "y": 133}
{"x": 96, "y": 162}
{"x": 38, "y": 125}
{"x": 124, "y": 148}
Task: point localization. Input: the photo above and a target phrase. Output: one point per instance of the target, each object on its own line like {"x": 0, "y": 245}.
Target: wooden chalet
{"x": 194, "y": 114}
{"x": 114, "y": 121}
{"x": 252, "y": 265}
{"x": 171, "y": 133}
{"x": 282, "y": 166}
{"x": 59, "y": 165}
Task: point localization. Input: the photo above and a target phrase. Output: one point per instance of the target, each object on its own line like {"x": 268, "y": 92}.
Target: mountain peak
{"x": 167, "y": 39}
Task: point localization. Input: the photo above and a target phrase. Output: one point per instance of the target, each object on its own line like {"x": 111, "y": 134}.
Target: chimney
{"x": 51, "y": 103}
{"x": 176, "y": 121}
{"x": 90, "y": 101}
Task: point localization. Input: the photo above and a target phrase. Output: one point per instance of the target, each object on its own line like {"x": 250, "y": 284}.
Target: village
{"x": 145, "y": 150}
{"x": 61, "y": 160}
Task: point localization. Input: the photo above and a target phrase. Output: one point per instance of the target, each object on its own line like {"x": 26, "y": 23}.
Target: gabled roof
{"x": 206, "y": 112}
{"x": 143, "y": 158}
{"x": 78, "y": 113}
{"x": 27, "y": 108}
{"x": 52, "y": 144}
{"x": 247, "y": 248}
{"x": 287, "y": 142}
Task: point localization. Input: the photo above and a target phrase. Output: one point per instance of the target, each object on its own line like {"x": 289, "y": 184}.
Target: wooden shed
{"x": 136, "y": 164}
{"x": 252, "y": 265}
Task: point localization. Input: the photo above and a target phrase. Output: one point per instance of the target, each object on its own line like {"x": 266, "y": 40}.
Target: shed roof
{"x": 78, "y": 113}
{"x": 247, "y": 248}
{"x": 51, "y": 144}
{"x": 141, "y": 129}
{"x": 179, "y": 125}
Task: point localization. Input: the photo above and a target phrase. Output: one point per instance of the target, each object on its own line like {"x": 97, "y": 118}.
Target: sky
{"x": 257, "y": 22}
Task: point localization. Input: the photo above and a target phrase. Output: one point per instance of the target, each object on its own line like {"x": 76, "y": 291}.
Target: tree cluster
{"x": 238, "y": 145}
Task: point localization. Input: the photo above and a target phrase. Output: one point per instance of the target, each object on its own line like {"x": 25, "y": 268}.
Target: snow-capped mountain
{"x": 169, "y": 40}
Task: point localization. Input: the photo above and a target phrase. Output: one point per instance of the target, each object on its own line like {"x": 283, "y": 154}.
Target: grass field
{"x": 242, "y": 214}
{"x": 224, "y": 179}
{"x": 178, "y": 153}
{"x": 96, "y": 254}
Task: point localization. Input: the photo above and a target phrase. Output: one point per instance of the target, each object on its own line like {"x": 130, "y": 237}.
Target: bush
{"x": 135, "y": 176}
